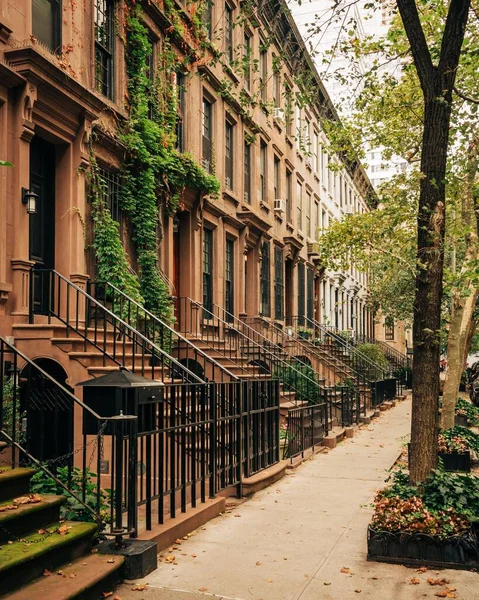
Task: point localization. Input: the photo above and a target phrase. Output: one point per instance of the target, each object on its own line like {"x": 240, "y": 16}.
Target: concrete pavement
{"x": 304, "y": 538}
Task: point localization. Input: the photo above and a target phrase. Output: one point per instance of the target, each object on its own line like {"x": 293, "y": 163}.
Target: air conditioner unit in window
{"x": 205, "y": 163}
{"x": 278, "y": 114}
{"x": 246, "y": 197}
{"x": 279, "y": 205}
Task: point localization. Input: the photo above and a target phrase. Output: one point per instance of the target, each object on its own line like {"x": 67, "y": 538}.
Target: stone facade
{"x": 258, "y": 237}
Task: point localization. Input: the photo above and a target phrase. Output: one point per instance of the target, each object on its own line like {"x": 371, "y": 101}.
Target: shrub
{"x": 301, "y": 379}
{"x": 375, "y": 355}
{"x": 458, "y": 439}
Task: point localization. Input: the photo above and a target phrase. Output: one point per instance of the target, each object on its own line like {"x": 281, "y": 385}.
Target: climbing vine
{"x": 112, "y": 263}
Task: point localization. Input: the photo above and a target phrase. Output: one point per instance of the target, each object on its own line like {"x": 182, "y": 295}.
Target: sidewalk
{"x": 290, "y": 541}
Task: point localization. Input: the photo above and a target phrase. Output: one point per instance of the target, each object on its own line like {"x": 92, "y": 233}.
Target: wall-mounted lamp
{"x": 29, "y": 198}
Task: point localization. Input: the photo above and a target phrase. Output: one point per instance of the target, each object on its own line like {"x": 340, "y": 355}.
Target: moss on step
{"x": 28, "y": 509}
{"x": 36, "y": 545}
{"x": 12, "y": 474}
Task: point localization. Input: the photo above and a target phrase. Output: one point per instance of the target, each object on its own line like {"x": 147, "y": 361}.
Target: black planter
{"x": 456, "y": 461}
{"x": 460, "y": 420}
{"x": 415, "y": 549}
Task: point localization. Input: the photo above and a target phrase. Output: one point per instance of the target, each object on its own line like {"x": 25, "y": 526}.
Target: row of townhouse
{"x": 252, "y": 249}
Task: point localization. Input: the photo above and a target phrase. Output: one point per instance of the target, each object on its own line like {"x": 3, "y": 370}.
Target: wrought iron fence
{"x": 383, "y": 390}
{"x": 306, "y": 428}
{"x": 36, "y": 421}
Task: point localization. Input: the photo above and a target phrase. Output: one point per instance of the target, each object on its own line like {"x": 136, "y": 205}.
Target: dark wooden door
{"x": 288, "y": 290}
{"x": 42, "y": 223}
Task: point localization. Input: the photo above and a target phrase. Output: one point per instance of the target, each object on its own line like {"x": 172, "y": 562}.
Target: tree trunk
{"x": 458, "y": 341}
{"x": 464, "y": 302}
{"x": 437, "y": 83}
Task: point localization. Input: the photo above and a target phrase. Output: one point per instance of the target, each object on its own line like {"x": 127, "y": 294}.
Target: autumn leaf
{"x": 42, "y": 532}
{"x": 345, "y": 570}
{"x": 437, "y": 581}
{"x": 107, "y": 594}
{"x": 139, "y": 587}
{"x": 415, "y": 581}
{"x": 203, "y": 589}
{"x": 47, "y": 573}
{"x": 422, "y": 570}
{"x": 63, "y": 530}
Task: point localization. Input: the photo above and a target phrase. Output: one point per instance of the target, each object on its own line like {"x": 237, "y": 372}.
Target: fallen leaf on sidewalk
{"x": 327, "y": 582}
{"x": 345, "y": 570}
{"x": 139, "y": 587}
{"x": 437, "y": 581}
{"x": 203, "y": 589}
{"x": 446, "y": 594}
{"x": 357, "y": 591}
{"x": 421, "y": 570}
{"x": 258, "y": 563}
{"x": 107, "y": 594}
{"x": 415, "y": 581}
{"x": 47, "y": 573}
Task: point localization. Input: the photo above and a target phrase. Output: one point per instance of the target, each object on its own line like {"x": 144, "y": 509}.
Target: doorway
{"x": 42, "y": 223}
{"x": 48, "y": 412}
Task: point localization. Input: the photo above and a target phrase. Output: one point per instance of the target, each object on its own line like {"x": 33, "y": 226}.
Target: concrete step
{"x": 28, "y": 517}
{"x": 15, "y": 482}
{"x": 90, "y": 577}
{"x": 23, "y": 561}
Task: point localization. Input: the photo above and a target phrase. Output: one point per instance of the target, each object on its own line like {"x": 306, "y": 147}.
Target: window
{"x": 263, "y": 73}
{"x": 310, "y": 294}
{"x": 207, "y": 272}
{"x": 277, "y": 178}
{"x": 289, "y": 109}
{"x": 265, "y": 308}
{"x": 389, "y": 330}
{"x": 229, "y": 32}
{"x": 278, "y": 284}
{"x": 301, "y": 297}
{"x": 180, "y": 130}
{"x": 317, "y": 217}
{"x": 299, "y": 131}
{"x": 299, "y": 206}
{"x": 208, "y": 17}
{"x": 229, "y": 279}
{"x": 247, "y": 59}
{"x": 276, "y": 83}
{"x": 110, "y": 182}
{"x": 289, "y": 194}
{"x": 46, "y": 22}
{"x": 247, "y": 172}
{"x": 308, "y": 215}
{"x": 229, "y": 155}
{"x": 315, "y": 152}
{"x": 207, "y": 134}
{"x": 104, "y": 44}
{"x": 263, "y": 172}
{"x": 307, "y": 139}
{"x": 340, "y": 190}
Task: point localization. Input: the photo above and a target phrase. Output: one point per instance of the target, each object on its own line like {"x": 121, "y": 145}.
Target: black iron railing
{"x": 159, "y": 332}
{"x": 36, "y": 421}
{"x": 117, "y": 341}
{"x": 305, "y": 430}
{"x": 251, "y": 353}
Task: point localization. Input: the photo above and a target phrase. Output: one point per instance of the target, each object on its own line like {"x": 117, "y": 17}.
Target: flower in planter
{"x": 410, "y": 515}
{"x": 458, "y": 439}
{"x": 451, "y": 445}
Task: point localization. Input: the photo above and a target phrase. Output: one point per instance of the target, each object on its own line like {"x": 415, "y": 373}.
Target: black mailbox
{"x": 121, "y": 392}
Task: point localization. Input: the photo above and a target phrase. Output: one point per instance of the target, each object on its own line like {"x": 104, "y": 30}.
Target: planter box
{"x": 456, "y": 461}
{"x": 416, "y": 549}
{"x": 460, "y": 420}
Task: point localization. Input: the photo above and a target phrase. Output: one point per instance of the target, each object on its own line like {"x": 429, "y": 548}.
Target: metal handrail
{"x": 171, "y": 331}
{"x": 119, "y": 324}
{"x": 261, "y": 347}
{"x": 344, "y": 343}
{"x": 11, "y": 440}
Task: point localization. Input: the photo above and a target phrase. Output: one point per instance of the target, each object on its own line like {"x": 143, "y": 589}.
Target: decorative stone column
{"x": 21, "y": 288}
{"x": 81, "y": 281}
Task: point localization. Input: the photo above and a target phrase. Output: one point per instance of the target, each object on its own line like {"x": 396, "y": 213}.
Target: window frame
{"x": 207, "y": 142}
{"x": 278, "y": 284}
{"x": 208, "y": 271}
{"x": 229, "y": 154}
{"x": 105, "y": 85}
{"x": 56, "y": 9}
{"x": 265, "y": 280}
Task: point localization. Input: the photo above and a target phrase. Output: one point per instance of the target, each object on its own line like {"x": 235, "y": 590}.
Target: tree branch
{"x": 464, "y": 97}
{"x": 452, "y": 40}
{"x": 417, "y": 40}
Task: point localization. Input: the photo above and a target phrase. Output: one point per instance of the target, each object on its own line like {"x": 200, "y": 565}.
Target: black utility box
{"x": 121, "y": 392}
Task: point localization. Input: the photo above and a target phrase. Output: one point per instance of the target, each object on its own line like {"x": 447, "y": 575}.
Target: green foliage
{"x": 301, "y": 379}
{"x": 73, "y": 510}
{"x": 112, "y": 263}
{"x": 460, "y": 436}
{"x": 441, "y": 491}
{"x": 463, "y": 407}
{"x": 155, "y": 173}
{"x": 5, "y": 163}
{"x": 11, "y": 422}
{"x": 376, "y": 365}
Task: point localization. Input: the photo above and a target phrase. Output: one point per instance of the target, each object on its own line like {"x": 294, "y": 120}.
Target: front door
{"x": 288, "y": 290}
{"x": 42, "y": 223}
